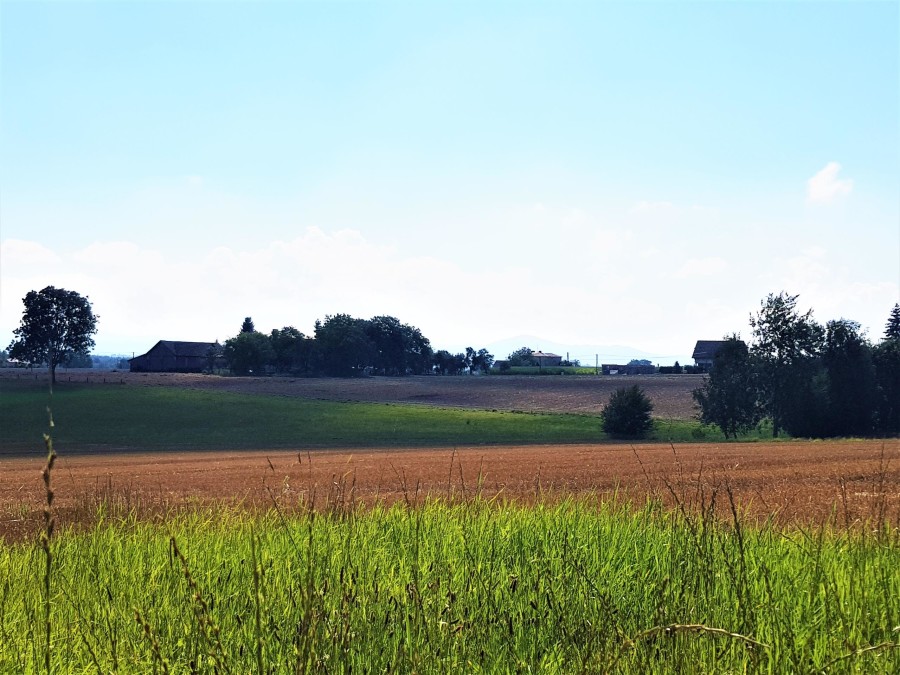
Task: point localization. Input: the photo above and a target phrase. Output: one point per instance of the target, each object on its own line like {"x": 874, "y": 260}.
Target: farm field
{"x": 790, "y": 482}
{"x": 671, "y": 394}
{"x": 200, "y": 529}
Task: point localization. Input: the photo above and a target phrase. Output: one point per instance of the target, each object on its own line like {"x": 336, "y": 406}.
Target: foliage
{"x": 728, "y": 396}
{"x": 55, "y": 325}
{"x": 78, "y": 360}
{"x": 886, "y": 360}
{"x": 627, "y": 414}
{"x": 521, "y": 357}
{"x": 640, "y": 362}
{"x": 445, "y": 363}
{"x": 480, "y": 361}
{"x": 248, "y": 353}
{"x": 892, "y": 327}
{"x": 847, "y": 358}
{"x": 398, "y": 348}
{"x": 584, "y": 586}
{"x": 247, "y": 325}
{"x": 786, "y": 346}
{"x": 344, "y": 345}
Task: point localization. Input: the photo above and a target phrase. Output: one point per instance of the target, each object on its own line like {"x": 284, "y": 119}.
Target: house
{"x": 545, "y": 359}
{"x": 169, "y": 356}
{"x": 705, "y": 352}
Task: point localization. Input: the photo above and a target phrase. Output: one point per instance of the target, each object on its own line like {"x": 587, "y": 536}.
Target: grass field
{"x": 469, "y": 583}
{"x": 118, "y": 418}
{"x": 472, "y": 587}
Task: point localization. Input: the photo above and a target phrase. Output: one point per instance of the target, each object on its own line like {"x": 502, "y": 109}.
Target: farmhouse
{"x": 705, "y": 351}
{"x": 545, "y": 359}
{"x": 170, "y": 356}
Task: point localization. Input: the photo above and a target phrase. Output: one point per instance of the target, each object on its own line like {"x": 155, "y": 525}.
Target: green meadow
{"x": 117, "y": 417}
{"x": 577, "y": 587}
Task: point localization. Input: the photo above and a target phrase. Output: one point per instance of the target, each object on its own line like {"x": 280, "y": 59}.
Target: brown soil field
{"x": 671, "y": 394}
{"x": 854, "y": 483}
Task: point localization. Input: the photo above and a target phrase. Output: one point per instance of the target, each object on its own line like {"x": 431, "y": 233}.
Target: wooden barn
{"x": 170, "y": 356}
{"x": 705, "y": 352}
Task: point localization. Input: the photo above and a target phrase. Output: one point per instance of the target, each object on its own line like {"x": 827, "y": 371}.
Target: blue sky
{"x": 591, "y": 173}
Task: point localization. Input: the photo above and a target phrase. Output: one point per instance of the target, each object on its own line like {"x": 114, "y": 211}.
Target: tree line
{"x": 809, "y": 380}
{"x": 344, "y": 346}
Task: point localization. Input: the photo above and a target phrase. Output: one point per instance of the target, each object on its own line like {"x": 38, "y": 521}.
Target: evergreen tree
{"x": 892, "y": 328}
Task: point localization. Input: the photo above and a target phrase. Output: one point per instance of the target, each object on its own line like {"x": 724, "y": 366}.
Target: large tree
{"x": 56, "y": 325}
{"x": 728, "y": 397}
{"x": 886, "y": 358}
{"x": 248, "y": 353}
{"x": 892, "y": 327}
{"x": 847, "y": 358}
{"x": 787, "y": 344}
{"x": 344, "y": 346}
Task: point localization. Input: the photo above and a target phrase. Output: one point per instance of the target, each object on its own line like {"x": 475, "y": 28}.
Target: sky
{"x": 592, "y": 173}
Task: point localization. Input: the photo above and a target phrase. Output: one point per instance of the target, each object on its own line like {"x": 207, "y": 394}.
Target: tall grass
{"x": 476, "y": 586}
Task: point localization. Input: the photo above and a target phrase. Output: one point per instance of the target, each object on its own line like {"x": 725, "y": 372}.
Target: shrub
{"x": 627, "y": 414}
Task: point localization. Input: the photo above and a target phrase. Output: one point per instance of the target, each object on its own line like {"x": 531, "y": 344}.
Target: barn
{"x": 705, "y": 352}
{"x": 546, "y": 359}
{"x": 171, "y": 356}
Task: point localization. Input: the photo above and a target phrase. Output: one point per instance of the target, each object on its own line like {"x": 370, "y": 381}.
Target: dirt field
{"x": 791, "y": 481}
{"x": 671, "y": 394}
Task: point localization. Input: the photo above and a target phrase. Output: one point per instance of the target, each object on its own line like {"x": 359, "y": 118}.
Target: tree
{"x": 55, "y": 325}
{"x": 445, "y": 363}
{"x": 249, "y": 353}
{"x": 892, "y": 327}
{"x": 728, "y": 396}
{"x": 847, "y": 358}
{"x": 886, "y": 359}
{"x": 787, "y": 345}
{"x": 627, "y": 414}
{"x": 399, "y": 349}
{"x": 286, "y": 345}
{"x": 247, "y": 326}
{"x": 521, "y": 357}
{"x": 344, "y": 347}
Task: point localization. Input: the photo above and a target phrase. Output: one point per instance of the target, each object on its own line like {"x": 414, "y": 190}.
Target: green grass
{"x": 475, "y": 587}
{"x": 116, "y": 418}
{"x": 151, "y": 418}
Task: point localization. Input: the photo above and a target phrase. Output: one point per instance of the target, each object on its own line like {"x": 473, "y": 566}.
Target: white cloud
{"x": 701, "y": 267}
{"x": 825, "y": 186}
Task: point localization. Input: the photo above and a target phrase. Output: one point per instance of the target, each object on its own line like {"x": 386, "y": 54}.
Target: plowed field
{"x": 808, "y": 482}
{"x": 671, "y": 394}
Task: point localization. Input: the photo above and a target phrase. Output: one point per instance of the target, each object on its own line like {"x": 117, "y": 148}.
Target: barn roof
{"x": 181, "y": 348}
{"x": 707, "y": 349}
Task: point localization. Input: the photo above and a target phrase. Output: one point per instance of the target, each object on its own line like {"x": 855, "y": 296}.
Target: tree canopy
{"x": 56, "y": 325}
{"x": 809, "y": 380}
{"x": 728, "y": 397}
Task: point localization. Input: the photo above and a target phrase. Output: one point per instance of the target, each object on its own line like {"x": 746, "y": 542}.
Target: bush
{"x": 627, "y": 414}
